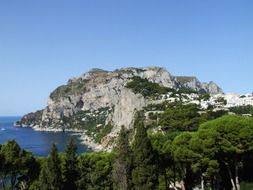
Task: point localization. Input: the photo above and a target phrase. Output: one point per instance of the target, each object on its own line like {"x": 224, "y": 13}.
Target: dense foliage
{"x": 152, "y": 89}
{"x": 180, "y": 118}
{"x": 18, "y": 168}
{"x": 147, "y": 88}
{"x": 242, "y": 109}
{"x": 175, "y": 116}
{"x": 145, "y": 170}
{"x": 51, "y": 174}
{"x": 216, "y": 153}
{"x": 95, "y": 171}
{"x": 70, "y": 167}
{"x": 122, "y": 162}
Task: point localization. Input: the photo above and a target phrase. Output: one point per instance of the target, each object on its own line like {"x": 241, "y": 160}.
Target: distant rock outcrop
{"x": 212, "y": 88}
{"x": 195, "y": 84}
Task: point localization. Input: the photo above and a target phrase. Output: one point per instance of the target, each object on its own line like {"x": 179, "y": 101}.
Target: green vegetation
{"x": 70, "y": 167}
{"x": 18, "y": 168}
{"x": 221, "y": 100}
{"x": 242, "y": 109}
{"x": 31, "y": 118}
{"x": 145, "y": 168}
{"x": 176, "y": 116}
{"x": 160, "y": 107}
{"x": 205, "y": 96}
{"x": 246, "y": 186}
{"x": 180, "y": 118}
{"x": 228, "y": 141}
{"x": 95, "y": 171}
{"x": 153, "y": 90}
{"x": 147, "y": 88}
{"x": 51, "y": 174}
{"x": 216, "y": 155}
{"x": 185, "y": 90}
{"x": 215, "y": 152}
{"x": 122, "y": 162}
{"x": 93, "y": 122}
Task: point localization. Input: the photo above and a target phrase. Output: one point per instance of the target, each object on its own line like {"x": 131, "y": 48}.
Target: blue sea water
{"x": 37, "y": 142}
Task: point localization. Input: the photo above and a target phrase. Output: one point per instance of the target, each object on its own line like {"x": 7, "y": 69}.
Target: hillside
{"x": 99, "y": 102}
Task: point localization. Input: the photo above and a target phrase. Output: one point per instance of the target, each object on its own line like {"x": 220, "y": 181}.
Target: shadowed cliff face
{"x": 99, "y": 102}
{"x": 194, "y": 84}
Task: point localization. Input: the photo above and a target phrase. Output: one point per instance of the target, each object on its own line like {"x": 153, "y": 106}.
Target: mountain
{"x": 99, "y": 102}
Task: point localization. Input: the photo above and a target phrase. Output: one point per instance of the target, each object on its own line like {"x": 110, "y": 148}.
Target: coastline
{"x": 85, "y": 140}
{"x": 50, "y": 129}
{"x": 90, "y": 143}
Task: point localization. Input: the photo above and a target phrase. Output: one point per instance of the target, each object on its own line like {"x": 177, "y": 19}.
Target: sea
{"x": 37, "y": 142}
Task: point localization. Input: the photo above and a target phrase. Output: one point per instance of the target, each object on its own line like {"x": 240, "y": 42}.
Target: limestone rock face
{"x": 194, "y": 84}
{"x": 188, "y": 82}
{"x": 212, "y": 88}
{"x": 156, "y": 75}
{"x": 99, "y": 90}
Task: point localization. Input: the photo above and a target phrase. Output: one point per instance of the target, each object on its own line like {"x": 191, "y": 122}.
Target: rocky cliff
{"x": 99, "y": 102}
{"x": 195, "y": 84}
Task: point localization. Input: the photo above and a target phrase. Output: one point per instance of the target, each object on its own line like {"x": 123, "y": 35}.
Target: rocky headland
{"x": 99, "y": 102}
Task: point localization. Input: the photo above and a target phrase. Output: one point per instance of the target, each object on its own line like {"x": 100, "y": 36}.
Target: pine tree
{"x": 70, "y": 171}
{"x": 51, "y": 175}
{"x": 145, "y": 172}
{"x": 122, "y": 165}
{"x": 54, "y": 166}
{"x": 43, "y": 183}
{"x": 12, "y": 157}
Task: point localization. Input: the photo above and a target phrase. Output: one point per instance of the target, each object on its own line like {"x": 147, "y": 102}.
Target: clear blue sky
{"x": 44, "y": 43}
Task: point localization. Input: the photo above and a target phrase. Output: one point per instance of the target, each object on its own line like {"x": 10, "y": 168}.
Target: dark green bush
{"x": 147, "y": 88}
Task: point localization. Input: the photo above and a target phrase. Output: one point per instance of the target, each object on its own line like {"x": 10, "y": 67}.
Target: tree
{"x": 248, "y": 109}
{"x": 2, "y": 165}
{"x": 206, "y": 166}
{"x": 16, "y": 165}
{"x": 180, "y": 118}
{"x": 147, "y": 88}
{"x": 122, "y": 162}
{"x": 162, "y": 144}
{"x": 232, "y": 139}
{"x": 51, "y": 175}
{"x": 95, "y": 171}
{"x": 44, "y": 180}
{"x": 185, "y": 156}
{"x": 145, "y": 171}
{"x": 29, "y": 171}
{"x": 70, "y": 168}
{"x": 12, "y": 161}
